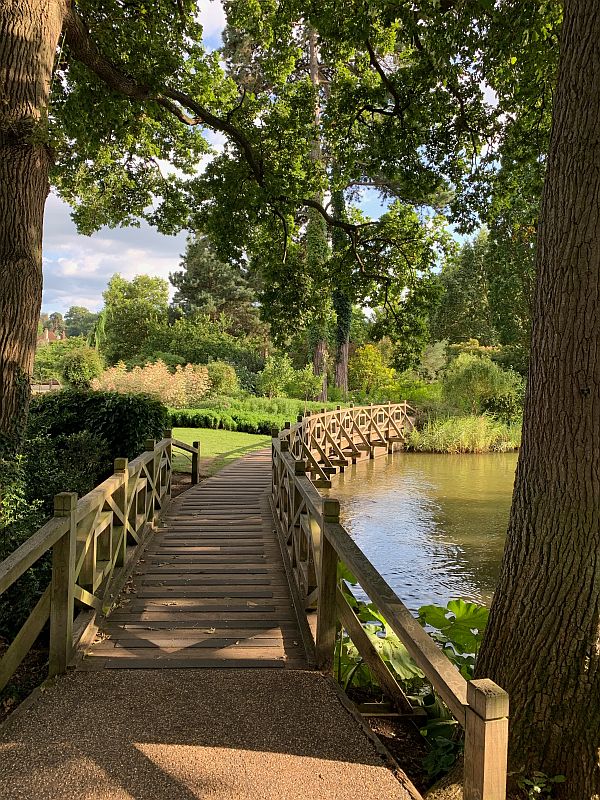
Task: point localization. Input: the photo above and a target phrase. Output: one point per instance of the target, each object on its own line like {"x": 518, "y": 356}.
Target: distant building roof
{"x": 50, "y": 336}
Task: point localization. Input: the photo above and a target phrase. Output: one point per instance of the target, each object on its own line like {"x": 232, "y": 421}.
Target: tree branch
{"x": 178, "y": 103}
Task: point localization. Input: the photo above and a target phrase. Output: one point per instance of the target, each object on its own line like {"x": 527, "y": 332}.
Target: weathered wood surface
{"x": 210, "y": 590}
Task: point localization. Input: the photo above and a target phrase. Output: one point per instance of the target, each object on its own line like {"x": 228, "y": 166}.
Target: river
{"x": 433, "y": 525}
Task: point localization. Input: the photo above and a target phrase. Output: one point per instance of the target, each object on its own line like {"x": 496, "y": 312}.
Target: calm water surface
{"x": 433, "y": 525}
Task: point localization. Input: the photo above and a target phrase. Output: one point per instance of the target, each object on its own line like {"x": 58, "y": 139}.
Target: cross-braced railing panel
{"x": 305, "y": 456}
{"x": 90, "y": 539}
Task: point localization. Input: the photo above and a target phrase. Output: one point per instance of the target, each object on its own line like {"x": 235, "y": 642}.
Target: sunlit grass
{"x": 218, "y": 448}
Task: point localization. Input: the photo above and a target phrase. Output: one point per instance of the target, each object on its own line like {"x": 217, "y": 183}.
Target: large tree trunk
{"x": 320, "y": 366}
{"x": 29, "y": 33}
{"x": 343, "y": 309}
{"x": 342, "y": 303}
{"x": 542, "y": 643}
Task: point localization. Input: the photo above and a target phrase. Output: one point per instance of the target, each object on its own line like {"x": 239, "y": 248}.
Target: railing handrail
{"x": 314, "y": 548}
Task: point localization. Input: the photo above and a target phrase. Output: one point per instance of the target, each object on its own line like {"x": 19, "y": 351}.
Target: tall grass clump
{"x": 472, "y": 434}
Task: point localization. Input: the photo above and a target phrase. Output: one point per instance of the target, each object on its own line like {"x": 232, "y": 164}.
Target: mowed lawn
{"x": 217, "y": 448}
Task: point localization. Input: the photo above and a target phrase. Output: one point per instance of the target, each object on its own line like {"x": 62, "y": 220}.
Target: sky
{"x": 77, "y": 268}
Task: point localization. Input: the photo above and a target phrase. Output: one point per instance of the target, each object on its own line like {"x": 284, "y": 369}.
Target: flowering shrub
{"x": 181, "y": 389}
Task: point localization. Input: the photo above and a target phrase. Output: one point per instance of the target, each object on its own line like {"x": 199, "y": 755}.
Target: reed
{"x": 469, "y": 434}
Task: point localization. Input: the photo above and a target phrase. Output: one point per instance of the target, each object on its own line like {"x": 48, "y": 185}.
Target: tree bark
{"x": 343, "y": 309}
{"x": 320, "y": 366}
{"x": 342, "y": 303}
{"x": 542, "y": 642}
{"x": 29, "y": 34}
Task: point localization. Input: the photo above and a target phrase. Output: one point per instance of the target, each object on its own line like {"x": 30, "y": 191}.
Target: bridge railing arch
{"x": 305, "y": 455}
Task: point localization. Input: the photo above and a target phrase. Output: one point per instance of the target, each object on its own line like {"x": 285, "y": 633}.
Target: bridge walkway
{"x": 210, "y": 590}
{"x": 172, "y": 701}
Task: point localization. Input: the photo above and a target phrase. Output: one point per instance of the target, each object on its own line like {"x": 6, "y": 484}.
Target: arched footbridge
{"x": 192, "y": 639}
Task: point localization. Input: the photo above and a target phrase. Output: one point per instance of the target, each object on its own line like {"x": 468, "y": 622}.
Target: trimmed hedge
{"x": 124, "y": 421}
{"x": 234, "y": 421}
{"x": 249, "y": 415}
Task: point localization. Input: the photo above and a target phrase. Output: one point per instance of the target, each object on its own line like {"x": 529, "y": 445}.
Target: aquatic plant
{"x": 473, "y": 434}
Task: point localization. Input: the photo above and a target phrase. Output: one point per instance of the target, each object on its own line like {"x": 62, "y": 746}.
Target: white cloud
{"x": 212, "y": 17}
{"x": 77, "y": 268}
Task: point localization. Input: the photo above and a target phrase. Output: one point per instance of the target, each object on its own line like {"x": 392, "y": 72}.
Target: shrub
{"x": 170, "y": 359}
{"x": 75, "y": 462}
{"x": 223, "y": 378}
{"x": 304, "y": 384}
{"x": 367, "y": 371}
{"x": 19, "y": 518}
{"x": 433, "y": 360}
{"x": 248, "y": 380}
{"x": 124, "y": 421}
{"x": 49, "y": 358}
{"x": 275, "y": 376}
{"x": 184, "y": 387}
{"x": 81, "y": 366}
{"x": 471, "y": 382}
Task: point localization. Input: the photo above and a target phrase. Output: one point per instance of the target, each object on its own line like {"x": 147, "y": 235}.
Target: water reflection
{"x": 433, "y": 525}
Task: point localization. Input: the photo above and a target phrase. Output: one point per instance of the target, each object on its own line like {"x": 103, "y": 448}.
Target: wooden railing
{"x": 305, "y": 455}
{"x": 93, "y": 541}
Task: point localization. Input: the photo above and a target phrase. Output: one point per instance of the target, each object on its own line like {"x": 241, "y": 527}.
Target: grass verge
{"x": 218, "y": 448}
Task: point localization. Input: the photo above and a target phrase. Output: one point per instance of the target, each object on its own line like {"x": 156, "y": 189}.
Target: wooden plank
{"x": 33, "y": 548}
{"x": 370, "y": 655}
{"x": 25, "y": 638}
{"x": 198, "y": 663}
{"x": 87, "y": 598}
{"x": 185, "y": 627}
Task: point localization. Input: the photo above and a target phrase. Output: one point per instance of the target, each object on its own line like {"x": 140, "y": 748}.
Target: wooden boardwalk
{"x": 210, "y": 589}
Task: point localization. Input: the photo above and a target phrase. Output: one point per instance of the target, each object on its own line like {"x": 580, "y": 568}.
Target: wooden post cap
{"x": 487, "y": 699}
{"x": 331, "y": 509}
{"x": 120, "y": 464}
{"x": 168, "y": 433}
{"x": 287, "y": 425}
{"x": 274, "y": 433}
{"x": 196, "y": 445}
{"x": 149, "y": 444}
{"x": 285, "y": 445}
{"x": 64, "y": 503}
{"x": 299, "y": 418}
{"x": 300, "y": 467}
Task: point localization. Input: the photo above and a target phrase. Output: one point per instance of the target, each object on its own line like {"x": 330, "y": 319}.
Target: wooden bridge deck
{"x": 210, "y": 590}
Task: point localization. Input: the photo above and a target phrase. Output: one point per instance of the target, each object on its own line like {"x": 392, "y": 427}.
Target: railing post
{"x": 168, "y": 434}
{"x": 196, "y": 464}
{"x": 120, "y": 498}
{"x": 327, "y": 581}
{"x": 486, "y": 741}
{"x": 63, "y": 579}
{"x": 149, "y": 446}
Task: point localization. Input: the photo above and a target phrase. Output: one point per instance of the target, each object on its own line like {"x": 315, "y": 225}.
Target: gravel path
{"x": 186, "y": 734}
